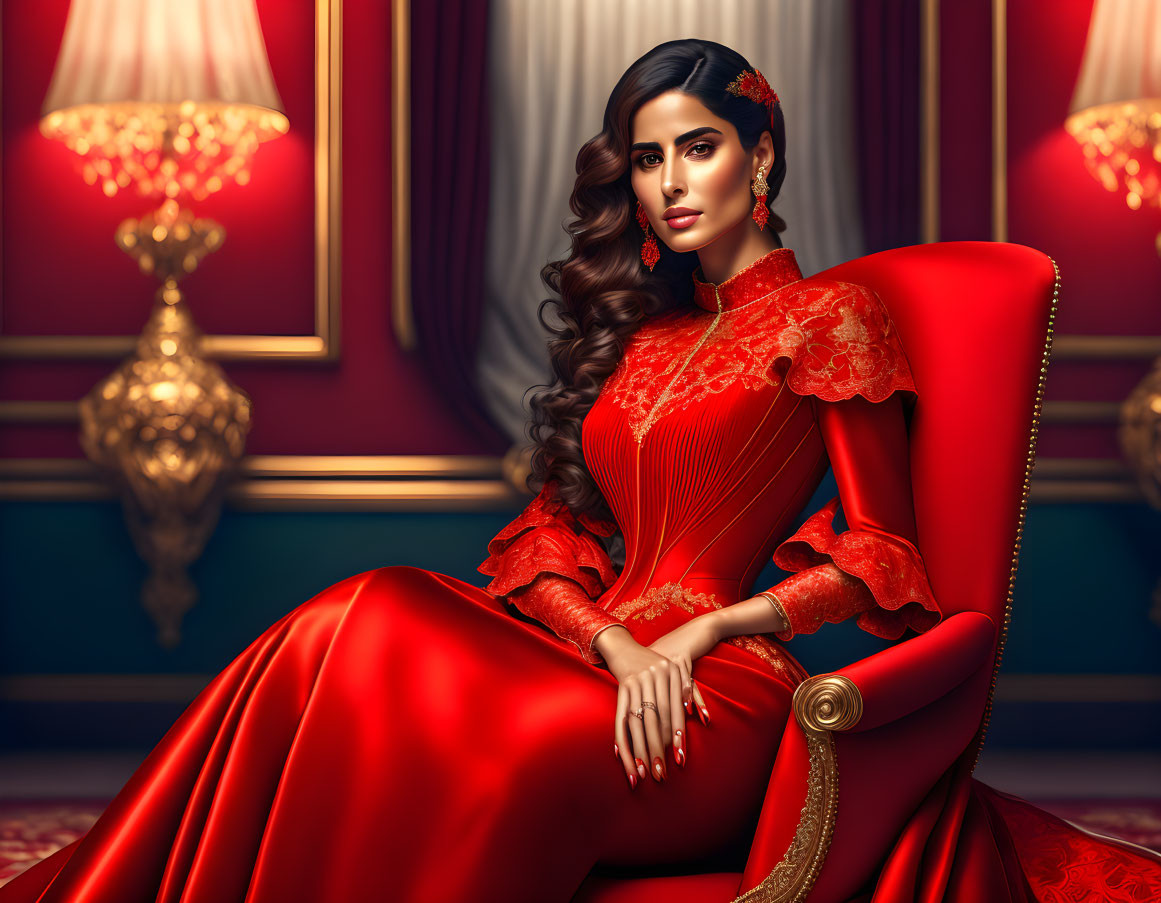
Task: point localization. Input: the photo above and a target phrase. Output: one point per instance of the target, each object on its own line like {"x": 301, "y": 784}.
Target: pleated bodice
{"x": 702, "y": 450}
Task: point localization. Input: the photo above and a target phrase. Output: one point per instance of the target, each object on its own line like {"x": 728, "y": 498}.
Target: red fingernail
{"x": 658, "y": 768}
{"x": 679, "y": 748}
{"x": 705, "y": 714}
{"x": 632, "y": 780}
{"x": 616, "y": 750}
{"x": 640, "y": 767}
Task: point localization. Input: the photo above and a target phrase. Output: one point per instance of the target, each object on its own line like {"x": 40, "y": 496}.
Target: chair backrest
{"x": 975, "y": 320}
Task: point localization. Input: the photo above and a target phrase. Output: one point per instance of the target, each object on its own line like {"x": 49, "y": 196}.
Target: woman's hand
{"x": 651, "y": 680}
{"x": 683, "y": 646}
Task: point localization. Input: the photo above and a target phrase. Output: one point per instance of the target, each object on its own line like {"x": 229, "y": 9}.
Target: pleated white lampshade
{"x": 1122, "y": 55}
{"x": 1115, "y": 113}
{"x": 171, "y": 96}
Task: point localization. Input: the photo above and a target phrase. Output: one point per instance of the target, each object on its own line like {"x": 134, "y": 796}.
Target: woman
{"x": 407, "y": 736}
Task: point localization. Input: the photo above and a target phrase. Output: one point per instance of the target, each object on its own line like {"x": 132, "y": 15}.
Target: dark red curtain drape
{"x": 449, "y": 195}
{"x": 886, "y": 92}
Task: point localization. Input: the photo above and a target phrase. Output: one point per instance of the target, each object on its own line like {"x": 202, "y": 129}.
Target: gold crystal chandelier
{"x": 170, "y": 99}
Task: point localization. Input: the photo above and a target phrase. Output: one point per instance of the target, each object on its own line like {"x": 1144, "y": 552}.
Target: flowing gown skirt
{"x": 402, "y": 736}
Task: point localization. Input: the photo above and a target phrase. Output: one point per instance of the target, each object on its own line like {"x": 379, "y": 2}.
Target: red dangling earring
{"x": 761, "y": 189}
{"x": 650, "y": 253}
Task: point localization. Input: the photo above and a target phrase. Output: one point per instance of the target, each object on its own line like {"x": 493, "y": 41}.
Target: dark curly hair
{"x": 604, "y": 290}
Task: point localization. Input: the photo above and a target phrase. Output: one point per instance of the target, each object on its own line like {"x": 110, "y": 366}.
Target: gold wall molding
{"x": 402, "y": 319}
{"x": 40, "y": 412}
{"x": 929, "y": 120}
{"x": 1107, "y": 347}
{"x": 1082, "y": 469}
{"x": 1048, "y": 492}
{"x": 412, "y": 483}
{"x": 323, "y": 344}
{"x": 1000, "y": 123}
{"x": 446, "y": 482}
{"x": 1081, "y": 411}
{"x": 1072, "y": 480}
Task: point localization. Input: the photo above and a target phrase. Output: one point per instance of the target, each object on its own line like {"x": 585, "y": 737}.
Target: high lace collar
{"x": 771, "y": 271}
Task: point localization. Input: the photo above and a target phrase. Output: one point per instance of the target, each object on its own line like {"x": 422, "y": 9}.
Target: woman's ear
{"x": 764, "y": 154}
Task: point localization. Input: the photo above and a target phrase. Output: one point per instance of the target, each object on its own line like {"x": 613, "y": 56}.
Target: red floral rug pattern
{"x": 31, "y": 830}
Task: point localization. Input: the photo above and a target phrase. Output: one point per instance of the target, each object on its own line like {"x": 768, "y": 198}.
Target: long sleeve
{"x": 873, "y": 570}
{"x": 552, "y": 567}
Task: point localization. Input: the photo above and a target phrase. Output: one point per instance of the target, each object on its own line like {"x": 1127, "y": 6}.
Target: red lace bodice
{"x": 707, "y": 440}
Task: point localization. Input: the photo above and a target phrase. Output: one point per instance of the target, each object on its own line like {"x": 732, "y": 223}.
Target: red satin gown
{"x": 407, "y": 736}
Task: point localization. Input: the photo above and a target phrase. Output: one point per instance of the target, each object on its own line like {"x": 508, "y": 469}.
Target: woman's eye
{"x": 643, "y": 160}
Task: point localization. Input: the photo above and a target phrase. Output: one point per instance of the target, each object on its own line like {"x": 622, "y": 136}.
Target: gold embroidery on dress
{"x": 693, "y": 360}
{"x": 641, "y": 428}
{"x": 770, "y": 652}
{"x": 657, "y": 600}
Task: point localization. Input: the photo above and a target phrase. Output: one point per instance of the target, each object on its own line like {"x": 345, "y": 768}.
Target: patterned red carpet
{"x": 30, "y": 830}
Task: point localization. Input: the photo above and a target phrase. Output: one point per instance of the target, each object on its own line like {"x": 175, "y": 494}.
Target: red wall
{"x": 1110, "y": 272}
{"x": 63, "y": 274}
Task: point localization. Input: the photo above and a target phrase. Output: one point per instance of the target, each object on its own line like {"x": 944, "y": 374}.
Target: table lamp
{"x": 1115, "y": 113}
{"x": 169, "y": 98}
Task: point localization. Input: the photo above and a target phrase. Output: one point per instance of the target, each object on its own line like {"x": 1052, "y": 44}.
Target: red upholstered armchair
{"x": 872, "y": 782}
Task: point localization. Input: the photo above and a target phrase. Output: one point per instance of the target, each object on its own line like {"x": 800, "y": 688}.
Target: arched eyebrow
{"x": 681, "y": 139}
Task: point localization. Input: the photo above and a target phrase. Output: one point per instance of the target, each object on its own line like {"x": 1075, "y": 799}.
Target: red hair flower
{"x": 752, "y": 84}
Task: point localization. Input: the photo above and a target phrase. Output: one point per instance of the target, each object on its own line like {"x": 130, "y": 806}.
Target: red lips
{"x": 681, "y": 217}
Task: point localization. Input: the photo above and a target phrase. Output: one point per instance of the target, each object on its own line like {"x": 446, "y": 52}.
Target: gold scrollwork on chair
{"x": 795, "y": 873}
{"x": 828, "y": 702}
{"x": 822, "y": 704}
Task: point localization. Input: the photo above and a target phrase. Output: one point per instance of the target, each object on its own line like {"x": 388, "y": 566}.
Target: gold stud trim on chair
{"x": 1037, "y": 409}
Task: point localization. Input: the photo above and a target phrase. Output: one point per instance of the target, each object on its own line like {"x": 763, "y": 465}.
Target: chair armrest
{"x": 898, "y": 681}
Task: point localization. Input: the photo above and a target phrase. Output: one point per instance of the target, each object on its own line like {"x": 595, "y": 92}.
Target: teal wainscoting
{"x": 1082, "y": 666}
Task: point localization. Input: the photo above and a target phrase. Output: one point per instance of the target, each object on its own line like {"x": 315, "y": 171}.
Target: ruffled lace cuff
{"x": 552, "y": 567}
{"x": 816, "y": 596}
{"x": 889, "y": 590}
{"x": 567, "y": 611}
